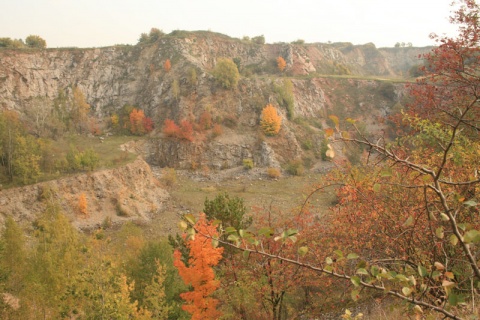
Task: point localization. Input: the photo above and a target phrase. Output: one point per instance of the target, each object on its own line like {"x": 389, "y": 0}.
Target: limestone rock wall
{"x": 125, "y": 193}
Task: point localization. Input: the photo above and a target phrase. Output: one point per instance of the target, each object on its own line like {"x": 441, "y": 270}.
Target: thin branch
{"x": 347, "y": 277}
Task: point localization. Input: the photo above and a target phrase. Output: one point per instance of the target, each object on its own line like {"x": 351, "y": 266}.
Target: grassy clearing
{"x": 108, "y": 151}
{"x": 286, "y": 194}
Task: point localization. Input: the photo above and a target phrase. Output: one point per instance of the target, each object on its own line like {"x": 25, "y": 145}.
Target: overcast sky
{"x": 96, "y": 23}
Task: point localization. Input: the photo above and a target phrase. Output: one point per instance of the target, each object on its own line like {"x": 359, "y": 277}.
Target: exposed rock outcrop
{"x": 121, "y": 194}
{"x": 116, "y": 76}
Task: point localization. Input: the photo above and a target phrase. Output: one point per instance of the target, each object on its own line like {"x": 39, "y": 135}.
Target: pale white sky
{"x": 96, "y": 23}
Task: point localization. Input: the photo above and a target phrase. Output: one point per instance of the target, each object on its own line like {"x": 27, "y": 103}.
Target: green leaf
{"x": 350, "y": 120}
{"x": 246, "y": 254}
{"x": 351, "y": 256}
{"x": 292, "y": 232}
{"x": 361, "y": 264}
{"x": 266, "y": 231}
{"x": 233, "y": 238}
{"x": 183, "y": 225}
{"x": 302, "y": 251}
{"x": 355, "y": 280}
{"x": 216, "y": 222}
{"x": 214, "y": 243}
{"x": 230, "y": 230}
{"x": 335, "y": 120}
{"x": 406, "y": 291}
{"x": 472, "y": 236}
{"x": 470, "y": 203}
{"x": 439, "y": 232}
{"x": 453, "y": 240}
{"x": 241, "y": 233}
{"x": 374, "y": 271}
{"x": 328, "y": 260}
{"x": 191, "y": 231}
{"x": 377, "y": 187}
{"x": 422, "y": 271}
{"x": 386, "y": 172}
{"x": 408, "y": 222}
{"x": 338, "y": 253}
{"x": 453, "y": 299}
{"x": 444, "y": 217}
{"x": 412, "y": 280}
{"x": 401, "y": 278}
{"x": 417, "y": 309}
{"x": 355, "y": 294}
{"x": 362, "y": 271}
{"x": 190, "y": 218}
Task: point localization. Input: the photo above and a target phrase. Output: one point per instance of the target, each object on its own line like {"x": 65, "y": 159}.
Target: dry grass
{"x": 285, "y": 193}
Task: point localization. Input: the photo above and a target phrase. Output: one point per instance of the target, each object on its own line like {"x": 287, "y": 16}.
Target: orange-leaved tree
{"x": 186, "y": 130}
{"x": 82, "y": 205}
{"x": 270, "y": 120}
{"x": 198, "y": 271}
{"x": 170, "y": 128}
{"x": 182, "y": 132}
{"x": 136, "y": 121}
{"x": 281, "y": 64}
{"x": 167, "y": 65}
{"x": 139, "y": 123}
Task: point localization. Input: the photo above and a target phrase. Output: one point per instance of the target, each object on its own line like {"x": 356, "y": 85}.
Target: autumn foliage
{"x": 167, "y": 65}
{"x": 205, "y": 121}
{"x": 270, "y": 120}
{"x": 184, "y": 131}
{"x": 82, "y": 205}
{"x": 136, "y": 121}
{"x": 139, "y": 123}
{"x": 198, "y": 273}
{"x": 170, "y": 128}
{"x": 281, "y": 64}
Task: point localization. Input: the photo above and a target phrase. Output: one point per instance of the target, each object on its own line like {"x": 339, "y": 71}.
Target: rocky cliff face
{"x": 120, "y": 75}
{"x": 127, "y": 193}
{"x": 113, "y": 77}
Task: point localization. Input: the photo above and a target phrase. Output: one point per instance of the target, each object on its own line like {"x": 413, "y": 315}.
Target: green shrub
{"x": 259, "y": 39}
{"x": 34, "y": 41}
{"x": 169, "y": 177}
{"x": 307, "y": 145}
{"x": 226, "y": 73}
{"x": 285, "y": 97}
{"x": 248, "y": 164}
{"x": 231, "y": 211}
{"x": 230, "y": 121}
{"x": 323, "y": 150}
{"x": 387, "y": 90}
{"x": 295, "y": 167}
